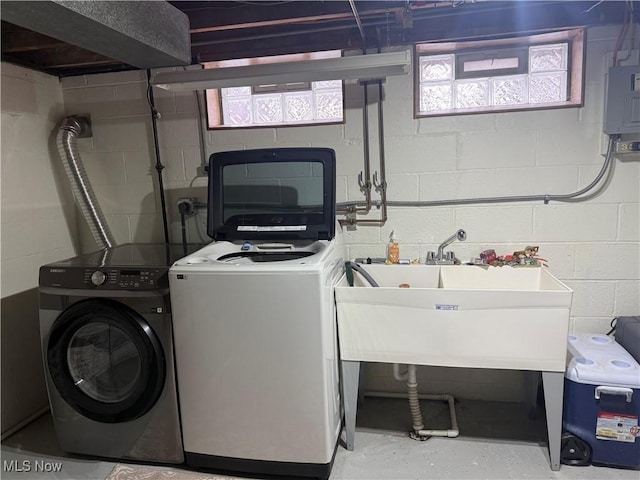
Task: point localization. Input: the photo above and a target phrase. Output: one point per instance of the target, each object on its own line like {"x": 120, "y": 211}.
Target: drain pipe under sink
{"x": 419, "y": 432}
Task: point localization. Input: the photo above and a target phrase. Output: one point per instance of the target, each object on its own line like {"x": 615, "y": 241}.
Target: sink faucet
{"x": 448, "y": 258}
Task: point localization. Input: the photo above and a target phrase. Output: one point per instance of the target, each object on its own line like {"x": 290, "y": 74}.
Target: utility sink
{"x": 458, "y": 316}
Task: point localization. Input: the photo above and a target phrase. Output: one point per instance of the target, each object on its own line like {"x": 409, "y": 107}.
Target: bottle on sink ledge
{"x": 393, "y": 249}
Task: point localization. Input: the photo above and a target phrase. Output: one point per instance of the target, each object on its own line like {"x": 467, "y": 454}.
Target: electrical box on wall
{"x": 622, "y": 103}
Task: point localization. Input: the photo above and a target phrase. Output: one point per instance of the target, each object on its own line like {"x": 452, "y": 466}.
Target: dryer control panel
{"x": 105, "y": 278}
{"x": 129, "y": 279}
{"x": 130, "y": 267}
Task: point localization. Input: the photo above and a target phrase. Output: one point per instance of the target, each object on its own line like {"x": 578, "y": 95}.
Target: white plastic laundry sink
{"x": 459, "y": 316}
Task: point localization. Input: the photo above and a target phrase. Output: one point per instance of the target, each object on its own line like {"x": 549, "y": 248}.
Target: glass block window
{"x": 300, "y": 103}
{"x": 541, "y": 71}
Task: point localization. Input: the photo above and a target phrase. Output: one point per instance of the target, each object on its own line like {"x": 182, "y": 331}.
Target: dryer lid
{"x": 272, "y": 194}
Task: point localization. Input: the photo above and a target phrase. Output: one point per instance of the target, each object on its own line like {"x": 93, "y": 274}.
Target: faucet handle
{"x": 450, "y": 257}
{"x": 431, "y": 257}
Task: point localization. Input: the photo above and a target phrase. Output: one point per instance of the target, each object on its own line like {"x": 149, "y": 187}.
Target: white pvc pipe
{"x": 421, "y": 396}
{"x": 397, "y": 375}
{"x": 419, "y": 432}
{"x": 453, "y": 431}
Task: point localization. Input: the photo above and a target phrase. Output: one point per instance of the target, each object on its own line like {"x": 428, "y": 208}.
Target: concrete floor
{"x": 498, "y": 441}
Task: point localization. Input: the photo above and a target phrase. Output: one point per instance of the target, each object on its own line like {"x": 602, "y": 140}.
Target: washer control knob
{"x": 98, "y": 278}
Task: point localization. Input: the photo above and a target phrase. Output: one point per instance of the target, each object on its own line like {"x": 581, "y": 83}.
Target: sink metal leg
{"x": 531, "y": 381}
{"x": 350, "y": 380}
{"x": 553, "y": 384}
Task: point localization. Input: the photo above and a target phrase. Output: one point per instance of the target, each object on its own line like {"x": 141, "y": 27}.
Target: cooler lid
{"x": 599, "y": 359}
{"x": 272, "y": 194}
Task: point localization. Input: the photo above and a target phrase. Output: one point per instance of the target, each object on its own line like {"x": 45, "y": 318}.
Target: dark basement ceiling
{"x": 237, "y": 29}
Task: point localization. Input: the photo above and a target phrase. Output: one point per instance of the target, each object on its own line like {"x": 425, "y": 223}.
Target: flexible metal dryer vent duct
{"x": 69, "y": 131}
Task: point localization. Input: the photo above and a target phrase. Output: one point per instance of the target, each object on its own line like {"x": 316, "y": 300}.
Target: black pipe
{"x": 182, "y": 207}
{"x": 159, "y": 166}
{"x": 358, "y": 268}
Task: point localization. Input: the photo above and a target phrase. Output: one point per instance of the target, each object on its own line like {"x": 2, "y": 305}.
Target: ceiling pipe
{"x": 159, "y": 167}
{"x": 377, "y": 20}
{"x": 431, "y": 12}
{"x": 264, "y": 36}
{"x": 314, "y": 19}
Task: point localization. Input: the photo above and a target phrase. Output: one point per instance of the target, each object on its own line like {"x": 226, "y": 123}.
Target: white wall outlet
{"x": 625, "y": 146}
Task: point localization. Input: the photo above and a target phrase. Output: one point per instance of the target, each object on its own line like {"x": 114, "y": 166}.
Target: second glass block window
{"x": 442, "y": 90}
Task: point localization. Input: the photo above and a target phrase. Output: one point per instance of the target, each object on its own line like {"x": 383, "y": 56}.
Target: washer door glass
{"x": 105, "y": 360}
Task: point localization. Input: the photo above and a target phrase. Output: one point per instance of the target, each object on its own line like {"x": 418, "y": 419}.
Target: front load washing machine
{"x": 254, "y": 317}
{"x": 105, "y": 325}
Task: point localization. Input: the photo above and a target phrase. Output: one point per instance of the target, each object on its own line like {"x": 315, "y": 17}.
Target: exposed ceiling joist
{"x": 223, "y": 30}
{"x": 141, "y": 34}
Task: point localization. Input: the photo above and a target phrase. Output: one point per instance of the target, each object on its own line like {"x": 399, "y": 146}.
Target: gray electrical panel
{"x": 622, "y": 104}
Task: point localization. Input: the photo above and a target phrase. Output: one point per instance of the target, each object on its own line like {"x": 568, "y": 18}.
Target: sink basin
{"x": 459, "y": 316}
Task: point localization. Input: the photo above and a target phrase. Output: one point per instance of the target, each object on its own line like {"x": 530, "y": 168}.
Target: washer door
{"x": 106, "y": 361}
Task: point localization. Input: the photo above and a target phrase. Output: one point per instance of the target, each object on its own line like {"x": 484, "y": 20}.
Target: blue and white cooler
{"x": 601, "y": 403}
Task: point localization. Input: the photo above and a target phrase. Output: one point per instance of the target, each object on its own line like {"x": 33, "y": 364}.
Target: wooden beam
{"x": 64, "y": 56}
{"x": 143, "y": 34}
{"x": 16, "y": 39}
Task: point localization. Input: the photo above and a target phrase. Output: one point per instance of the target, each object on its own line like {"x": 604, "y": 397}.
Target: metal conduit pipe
{"x": 68, "y": 132}
{"x": 344, "y": 207}
{"x": 546, "y": 198}
{"x": 159, "y": 167}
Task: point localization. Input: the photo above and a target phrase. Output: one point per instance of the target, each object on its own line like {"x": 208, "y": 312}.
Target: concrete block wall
{"x": 593, "y": 245}
{"x": 38, "y": 226}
